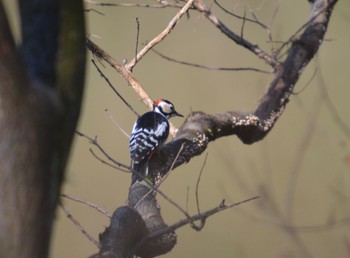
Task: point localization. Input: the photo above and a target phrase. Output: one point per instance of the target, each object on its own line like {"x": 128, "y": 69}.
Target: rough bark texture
{"x": 39, "y": 108}
{"x": 200, "y": 128}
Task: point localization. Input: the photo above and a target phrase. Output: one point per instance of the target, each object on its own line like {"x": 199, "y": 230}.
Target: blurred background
{"x": 300, "y": 170}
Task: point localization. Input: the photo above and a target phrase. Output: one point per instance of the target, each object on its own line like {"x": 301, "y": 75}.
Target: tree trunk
{"x": 40, "y": 96}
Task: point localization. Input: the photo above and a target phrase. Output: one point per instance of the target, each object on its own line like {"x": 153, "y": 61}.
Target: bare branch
{"x": 113, "y": 88}
{"x": 162, "y": 4}
{"x": 90, "y": 204}
{"x": 318, "y": 10}
{"x": 137, "y": 38}
{"x": 209, "y": 67}
{"x": 106, "y": 163}
{"x": 201, "y": 217}
{"x": 306, "y": 84}
{"x": 94, "y": 142}
{"x": 127, "y": 75}
{"x": 117, "y": 124}
{"x": 161, "y": 36}
{"x": 244, "y": 18}
{"x": 79, "y": 226}
{"x": 200, "y": 128}
{"x": 198, "y": 181}
{"x": 200, "y": 6}
{"x": 159, "y": 181}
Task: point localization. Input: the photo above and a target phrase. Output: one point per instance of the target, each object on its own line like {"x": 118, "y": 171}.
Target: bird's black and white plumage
{"x": 150, "y": 132}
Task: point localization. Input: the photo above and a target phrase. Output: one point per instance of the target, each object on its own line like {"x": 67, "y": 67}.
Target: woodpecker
{"x": 149, "y": 133}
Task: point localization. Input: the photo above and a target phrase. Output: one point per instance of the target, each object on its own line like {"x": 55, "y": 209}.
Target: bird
{"x": 149, "y": 133}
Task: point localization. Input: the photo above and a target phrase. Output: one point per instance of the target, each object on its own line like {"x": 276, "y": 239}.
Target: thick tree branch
{"x": 200, "y": 128}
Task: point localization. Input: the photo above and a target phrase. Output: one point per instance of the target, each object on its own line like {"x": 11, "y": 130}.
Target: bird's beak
{"x": 178, "y": 114}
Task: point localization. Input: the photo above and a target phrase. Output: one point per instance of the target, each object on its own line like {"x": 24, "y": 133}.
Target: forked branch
{"x": 199, "y": 128}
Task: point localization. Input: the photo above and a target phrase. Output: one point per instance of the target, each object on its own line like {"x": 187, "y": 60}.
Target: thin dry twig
{"x": 113, "y": 88}
{"x": 269, "y": 32}
{"x": 212, "y": 68}
{"x": 161, "y": 36}
{"x": 127, "y": 75}
{"x": 157, "y": 185}
{"x": 137, "y": 38}
{"x": 94, "y": 10}
{"x": 79, "y": 226}
{"x": 94, "y": 142}
{"x": 244, "y": 18}
{"x": 201, "y": 217}
{"x": 90, "y": 204}
{"x": 106, "y": 163}
{"x": 201, "y": 7}
{"x": 162, "y": 4}
{"x": 306, "y": 84}
{"x": 291, "y": 38}
{"x": 242, "y": 27}
{"x": 198, "y": 181}
{"x": 187, "y": 198}
{"x": 116, "y": 123}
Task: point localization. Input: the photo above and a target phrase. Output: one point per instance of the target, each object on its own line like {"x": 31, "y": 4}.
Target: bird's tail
{"x": 139, "y": 170}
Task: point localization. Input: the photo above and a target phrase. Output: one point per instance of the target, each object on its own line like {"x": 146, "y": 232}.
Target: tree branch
{"x": 199, "y": 128}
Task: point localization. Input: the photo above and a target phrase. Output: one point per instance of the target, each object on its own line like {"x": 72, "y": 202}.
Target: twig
{"x": 156, "y": 186}
{"x": 106, "y": 163}
{"x": 198, "y": 180}
{"x": 269, "y": 33}
{"x": 209, "y": 67}
{"x": 80, "y": 227}
{"x": 160, "y": 5}
{"x": 127, "y": 75}
{"x": 113, "y": 88}
{"x": 137, "y": 38}
{"x": 240, "y": 17}
{"x": 92, "y": 205}
{"x": 161, "y": 36}
{"x": 307, "y": 84}
{"x": 291, "y": 38}
{"x": 117, "y": 124}
{"x": 242, "y": 28}
{"x": 93, "y": 10}
{"x": 201, "y": 7}
{"x": 187, "y": 197}
{"x": 202, "y": 217}
{"x": 94, "y": 142}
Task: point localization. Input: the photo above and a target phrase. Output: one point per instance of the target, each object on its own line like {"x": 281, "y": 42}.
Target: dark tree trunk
{"x": 40, "y": 96}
